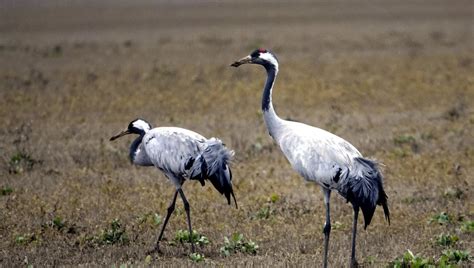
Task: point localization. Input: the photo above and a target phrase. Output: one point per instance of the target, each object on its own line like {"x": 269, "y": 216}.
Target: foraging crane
{"x": 322, "y": 157}
{"x": 181, "y": 154}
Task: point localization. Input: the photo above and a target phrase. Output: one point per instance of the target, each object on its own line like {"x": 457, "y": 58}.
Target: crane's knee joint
{"x": 186, "y": 206}
{"x": 327, "y": 228}
{"x": 170, "y": 209}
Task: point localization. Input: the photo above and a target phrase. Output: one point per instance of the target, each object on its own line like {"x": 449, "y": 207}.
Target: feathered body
{"x": 184, "y": 154}
{"x": 322, "y": 157}
{"x": 181, "y": 154}
{"x": 333, "y": 163}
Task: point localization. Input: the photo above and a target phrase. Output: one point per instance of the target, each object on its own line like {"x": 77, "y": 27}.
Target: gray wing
{"x": 318, "y": 155}
{"x": 171, "y": 149}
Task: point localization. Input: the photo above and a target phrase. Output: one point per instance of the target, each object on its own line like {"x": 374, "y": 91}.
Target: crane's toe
{"x": 354, "y": 263}
{"x": 155, "y": 250}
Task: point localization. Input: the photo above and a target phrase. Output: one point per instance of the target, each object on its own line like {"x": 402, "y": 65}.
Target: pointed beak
{"x": 243, "y": 60}
{"x": 123, "y": 133}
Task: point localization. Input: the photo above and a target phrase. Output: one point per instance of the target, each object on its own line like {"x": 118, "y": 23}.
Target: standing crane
{"x": 322, "y": 157}
{"x": 181, "y": 154}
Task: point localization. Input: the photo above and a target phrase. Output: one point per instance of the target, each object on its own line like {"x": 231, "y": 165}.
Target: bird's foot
{"x": 154, "y": 250}
{"x": 354, "y": 264}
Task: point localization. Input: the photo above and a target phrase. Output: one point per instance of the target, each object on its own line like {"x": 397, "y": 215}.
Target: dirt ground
{"x": 394, "y": 78}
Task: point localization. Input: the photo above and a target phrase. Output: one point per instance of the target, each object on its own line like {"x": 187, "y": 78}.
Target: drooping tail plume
{"x": 365, "y": 189}
{"x": 213, "y": 165}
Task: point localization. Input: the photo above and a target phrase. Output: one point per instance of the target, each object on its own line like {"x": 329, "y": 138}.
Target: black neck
{"x": 267, "y": 90}
{"x": 134, "y": 147}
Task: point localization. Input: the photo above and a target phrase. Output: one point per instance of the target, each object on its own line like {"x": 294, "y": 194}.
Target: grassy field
{"x": 395, "y": 78}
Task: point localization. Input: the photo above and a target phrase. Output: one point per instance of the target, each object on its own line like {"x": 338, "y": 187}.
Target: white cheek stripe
{"x": 140, "y": 124}
{"x": 270, "y": 58}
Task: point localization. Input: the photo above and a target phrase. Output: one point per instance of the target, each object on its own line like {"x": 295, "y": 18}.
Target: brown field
{"x": 395, "y": 78}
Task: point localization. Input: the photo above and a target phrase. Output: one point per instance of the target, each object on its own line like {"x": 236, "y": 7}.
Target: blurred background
{"x": 394, "y": 78}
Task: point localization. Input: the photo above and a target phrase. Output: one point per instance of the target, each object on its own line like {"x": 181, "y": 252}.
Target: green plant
{"x": 196, "y": 257}
{"x": 446, "y": 240}
{"x": 148, "y": 259}
{"x": 263, "y": 213}
{"x": 453, "y": 257}
{"x": 25, "y": 239}
{"x": 157, "y": 219}
{"x": 198, "y": 239}
{"x": 268, "y": 208}
{"x": 274, "y": 198}
{"x": 113, "y": 235}
{"x": 21, "y": 162}
{"x": 370, "y": 260}
{"x": 152, "y": 218}
{"x": 58, "y": 223}
{"x": 467, "y": 226}
{"x": 237, "y": 243}
{"x": 6, "y": 190}
{"x": 337, "y": 225}
{"x": 441, "y": 218}
{"x": 410, "y": 260}
{"x": 404, "y": 139}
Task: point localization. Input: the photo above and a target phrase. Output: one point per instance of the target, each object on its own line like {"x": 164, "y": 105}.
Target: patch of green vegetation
{"x": 196, "y": 257}
{"x": 25, "y": 239}
{"x": 450, "y": 257}
{"x": 370, "y": 260}
{"x": 400, "y": 153}
{"x": 58, "y": 223}
{"x": 115, "y": 234}
{"x": 441, "y": 218}
{"x": 157, "y": 219}
{"x": 61, "y": 225}
{"x": 337, "y": 225}
{"x": 6, "y": 190}
{"x": 410, "y": 260}
{"x": 237, "y": 243}
{"x": 274, "y": 198}
{"x": 152, "y": 218}
{"x": 182, "y": 236}
{"x": 263, "y": 213}
{"x": 446, "y": 240}
{"x": 467, "y": 226}
{"x": 404, "y": 139}
{"x": 21, "y": 162}
{"x": 267, "y": 209}
{"x": 148, "y": 259}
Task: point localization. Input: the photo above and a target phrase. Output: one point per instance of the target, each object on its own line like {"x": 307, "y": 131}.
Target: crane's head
{"x": 259, "y": 56}
{"x": 137, "y": 126}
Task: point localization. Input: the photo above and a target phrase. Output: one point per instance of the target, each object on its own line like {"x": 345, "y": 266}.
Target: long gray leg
{"x": 170, "y": 211}
{"x": 327, "y": 226}
{"x": 354, "y": 232}
{"x": 186, "y": 208}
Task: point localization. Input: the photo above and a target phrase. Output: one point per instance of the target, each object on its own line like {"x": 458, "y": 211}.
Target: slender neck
{"x": 271, "y": 118}
{"x": 135, "y": 147}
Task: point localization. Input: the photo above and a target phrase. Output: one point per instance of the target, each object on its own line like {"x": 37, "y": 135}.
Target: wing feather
{"x": 315, "y": 153}
{"x": 170, "y": 149}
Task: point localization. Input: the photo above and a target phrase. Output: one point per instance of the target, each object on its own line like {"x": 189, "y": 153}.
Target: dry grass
{"x": 395, "y": 79}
